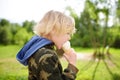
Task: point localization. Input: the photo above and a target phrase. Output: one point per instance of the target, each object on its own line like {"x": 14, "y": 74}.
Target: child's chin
{"x": 59, "y": 47}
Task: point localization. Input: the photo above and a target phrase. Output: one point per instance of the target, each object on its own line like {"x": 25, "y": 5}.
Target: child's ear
{"x": 53, "y": 32}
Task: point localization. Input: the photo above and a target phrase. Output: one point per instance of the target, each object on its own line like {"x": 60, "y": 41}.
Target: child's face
{"x": 59, "y": 40}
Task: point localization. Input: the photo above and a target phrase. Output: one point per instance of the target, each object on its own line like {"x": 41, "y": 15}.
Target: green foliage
{"x": 21, "y": 37}
{"x": 28, "y": 25}
{"x": 5, "y": 35}
{"x": 4, "y": 22}
{"x": 118, "y": 10}
{"x": 13, "y": 33}
{"x": 92, "y": 30}
{"x": 114, "y": 37}
{"x": 116, "y": 43}
{"x": 14, "y": 28}
{"x": 87, "y": 27}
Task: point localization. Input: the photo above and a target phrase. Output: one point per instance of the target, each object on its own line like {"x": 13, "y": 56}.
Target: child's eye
{"x": 68, "y": 33}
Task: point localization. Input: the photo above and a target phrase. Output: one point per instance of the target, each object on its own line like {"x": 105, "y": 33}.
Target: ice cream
{"x": 66, "y": 46}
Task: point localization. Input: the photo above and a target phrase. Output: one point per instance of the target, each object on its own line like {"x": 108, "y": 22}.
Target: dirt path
{"x": 84, "y": 56}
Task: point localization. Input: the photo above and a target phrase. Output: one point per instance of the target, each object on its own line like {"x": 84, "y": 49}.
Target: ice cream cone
{"x": 66, "y": 46}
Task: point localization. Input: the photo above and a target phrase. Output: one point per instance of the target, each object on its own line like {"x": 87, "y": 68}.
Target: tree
{"x": 117, "y": 12}
{"x": 96, "y": 30}
{"x": 86, "y": 24}
{"x": 5, "y": 35}
{"x": 21, "y": 37}
{"x": 116, "y": 26}
{"x": 28, "y": 25}
{"x": 4, "y": 22}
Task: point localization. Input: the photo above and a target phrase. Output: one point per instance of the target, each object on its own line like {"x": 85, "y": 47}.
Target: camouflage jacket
{"x": 45, "y": 65}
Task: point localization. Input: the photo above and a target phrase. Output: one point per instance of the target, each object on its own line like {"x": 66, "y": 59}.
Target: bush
{"x": 21, "y": 37}
{"x": 116, "y": 43}
{"x": 5, "y": 36}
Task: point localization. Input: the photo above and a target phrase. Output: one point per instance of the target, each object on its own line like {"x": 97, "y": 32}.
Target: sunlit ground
{"x": 11, "y": 69}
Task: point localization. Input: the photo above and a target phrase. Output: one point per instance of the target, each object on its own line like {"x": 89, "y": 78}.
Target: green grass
{"x": 98, "y": 70}
{"x": 11, "y": 69}
{"x": 91, "y": 50}
{"x": 9, "y": 51}
{"x": 83, "y": 50}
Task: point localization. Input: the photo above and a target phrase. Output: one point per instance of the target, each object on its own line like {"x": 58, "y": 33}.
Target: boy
{"x": 40, "y": 54}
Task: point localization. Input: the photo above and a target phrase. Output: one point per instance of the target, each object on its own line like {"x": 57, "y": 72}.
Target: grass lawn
{"x": 11, "y": 69}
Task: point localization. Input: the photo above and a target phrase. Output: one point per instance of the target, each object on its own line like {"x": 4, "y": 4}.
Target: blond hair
{"x": 57, "y": 21}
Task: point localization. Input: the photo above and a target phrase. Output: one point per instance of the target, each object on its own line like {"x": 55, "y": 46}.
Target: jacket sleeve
{"x": 52, "y": 67}
{"x": 70, "y": 72}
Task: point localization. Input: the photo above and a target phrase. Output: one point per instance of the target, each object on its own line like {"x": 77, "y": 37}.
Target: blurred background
{"x": 97, "y": 39}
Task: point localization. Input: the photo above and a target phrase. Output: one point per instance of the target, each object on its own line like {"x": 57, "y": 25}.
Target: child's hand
{"x": 71, "y": 57}
{"x": 70, "y": 54}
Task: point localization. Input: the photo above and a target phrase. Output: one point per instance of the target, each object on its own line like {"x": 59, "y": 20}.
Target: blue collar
{"x": 30, "y": 48}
